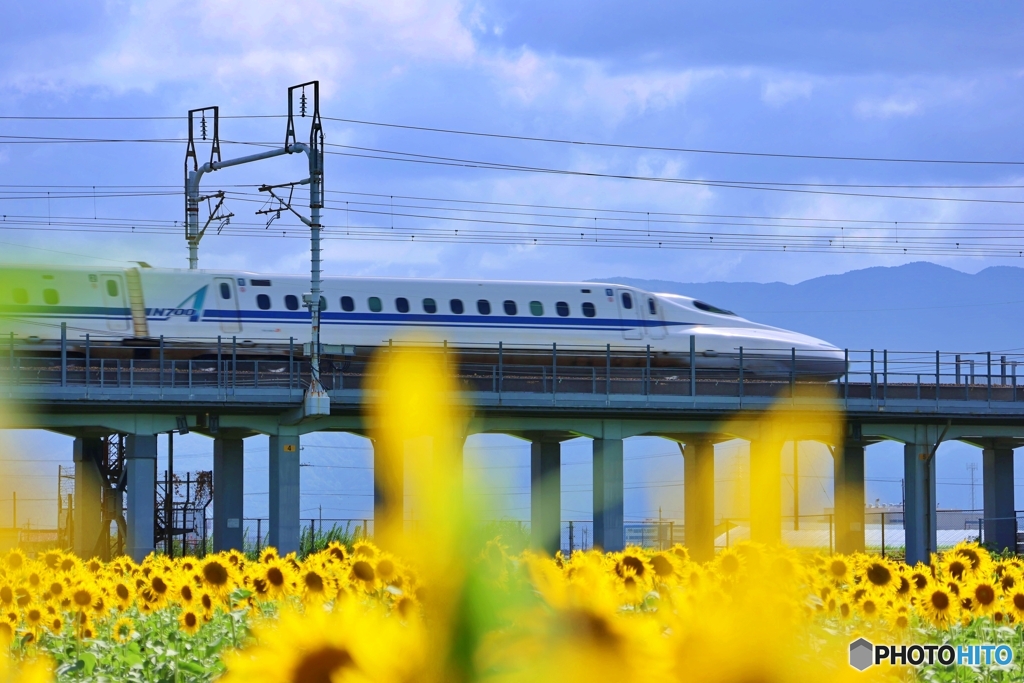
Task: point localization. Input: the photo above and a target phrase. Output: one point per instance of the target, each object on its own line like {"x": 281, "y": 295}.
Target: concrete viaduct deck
{"x": 231, "y": 399}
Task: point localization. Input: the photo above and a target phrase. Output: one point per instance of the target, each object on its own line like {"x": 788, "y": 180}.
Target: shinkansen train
{"x": 131, "y": 308}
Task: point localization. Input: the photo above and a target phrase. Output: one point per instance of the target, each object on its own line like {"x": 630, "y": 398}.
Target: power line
{"x": 557, "y": 141}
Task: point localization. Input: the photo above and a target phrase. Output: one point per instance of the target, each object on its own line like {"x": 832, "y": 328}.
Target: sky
{"x": 913, "y": 81}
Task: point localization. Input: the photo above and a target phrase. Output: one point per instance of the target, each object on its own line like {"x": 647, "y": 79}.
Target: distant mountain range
{"x": 914, "y": 307}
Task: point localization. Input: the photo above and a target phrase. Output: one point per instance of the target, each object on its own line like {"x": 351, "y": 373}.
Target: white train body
{"x": 134, "y": 305}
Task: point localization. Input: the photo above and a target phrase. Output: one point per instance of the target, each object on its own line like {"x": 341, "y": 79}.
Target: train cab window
{"x": 510, "y": 308}
{"x": 627, "y": 300}
{"x": 375, "y": 304}
{"x": 562, "y": 308}
{"x": 429, "y": 306}
{"x": 700, "y": 305}
{"x": 291, "y": 302}
{"x": 456, "y": 306}
{"x": 536, "y": 308}
{"x": 51, "y": 297}
{"x": 589, "y": 310}
{"x": 225, "y": 291}
{"x": 402, "y": 304}
{"x": 20, "y": 295}
{"x": 263, "y": 302}
{"x": 652, "y": 308}
{"x": 112, "y": 288}
{"x": 348, "y": 304}
{"x": 483, "y": 306}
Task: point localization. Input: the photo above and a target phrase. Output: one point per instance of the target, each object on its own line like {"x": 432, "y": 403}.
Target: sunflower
{"x": 364, "y": 549}
{"x": 955, "y": 567}
{"x": 55, "y": 624}
{"x": 939, "y": 605}
{"x": 159, "y": 587}
{"x": 316, "y": 585}
{"x": 983, "y": 594}
{"x": 15, "y": 559}
{"x": 839, "y": 570}
{"x": 183, "y": 593}
{"x": 83, "y": 596}
{"x": 879, "y": 574}
{"x": 278, "y": 576}
{"x": 190, "y": 621}
{"x": 123, "y": 593}
{"x": 34, "y": 615}
{"x": 1014, "y": 600}
{"x": 123, "y": 630}
{"x": 729, "y": 563}
{"x": 217, "y": 575}
{"x": 269, "y": 554}
{"x": 336, "y": 551}
{"x": 6, "y": 632}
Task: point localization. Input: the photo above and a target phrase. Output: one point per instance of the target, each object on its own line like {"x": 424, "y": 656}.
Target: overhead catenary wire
{"x": 558, "y": 141}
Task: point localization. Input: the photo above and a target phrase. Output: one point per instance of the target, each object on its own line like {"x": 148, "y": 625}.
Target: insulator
{"x": 202, "y": 126}
{"x": 302, "y": 103}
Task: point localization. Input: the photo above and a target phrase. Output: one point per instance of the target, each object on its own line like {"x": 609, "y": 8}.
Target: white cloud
{"x": 257, "y": 46}
{"x": 777, "y": 92}
{"x": 897, "y": 105}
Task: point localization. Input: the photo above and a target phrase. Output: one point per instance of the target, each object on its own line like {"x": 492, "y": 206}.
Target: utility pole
{"x": 972, "y": 467}
{"x": 316, "y": 400}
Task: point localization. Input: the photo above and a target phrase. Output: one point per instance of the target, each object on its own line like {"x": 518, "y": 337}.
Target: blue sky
{"x": 923, "y": 80}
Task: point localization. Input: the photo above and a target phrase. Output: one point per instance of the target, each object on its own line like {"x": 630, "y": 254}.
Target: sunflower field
{"x": 361, "y": 614}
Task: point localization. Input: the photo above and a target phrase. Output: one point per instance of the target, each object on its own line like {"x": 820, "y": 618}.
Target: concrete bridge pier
{"x": 699, "y": 496}
{"x": 608, "y": 511}
{"x": 88, "y": 511}
{"x": 228, "y": 458}
{"x": 766, "y": 490}
{"x": 284, "y": 493}
{"x": 848, "y": 459}
{"x": 1000, "y": 516}
{"x": 919, "y": 508}
{"x": 140, "y": 463}
{"x": 546, "y": 493}
{"x": 388, "y": 493}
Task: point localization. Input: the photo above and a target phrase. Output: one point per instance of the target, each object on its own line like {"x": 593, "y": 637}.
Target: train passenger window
{"x": 20, "y": 295}
{"x": 259, "y": 283}
{"x": 402, "y": 304}
{"x": 112, "y": 287}
{"x": 483, "y": 306}
{"x": 225, "y": 291}
{"x": 429, "y": 305}
{"x": 323, "y": 304}
{"x": 627, "y": 300}
{"x": 291, "y": 302}
{"x": 348, "y": 304}
{"x": 51, "y": 297}
{"x": 375, "y": 304}
{"x": 536, "y": 308}
{"x": 562, "y": 308}
{"x": 651, "y": 307}
{"x": 589, "y": 310}
{"x": 457, "y": 307}
{"x": 263, "y": 302}
{"x": 510, "y": 308}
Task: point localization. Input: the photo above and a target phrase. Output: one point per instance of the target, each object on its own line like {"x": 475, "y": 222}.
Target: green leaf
{"x": 192, "y": 667}
{"x": 88, "y": 661}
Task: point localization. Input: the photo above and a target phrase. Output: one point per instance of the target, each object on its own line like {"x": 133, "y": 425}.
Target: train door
{"x": 115, "y": 301}
{"x": 630, "y": 314}
{"x": 652, "y": 313}
{"x": 226, "y": 296}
